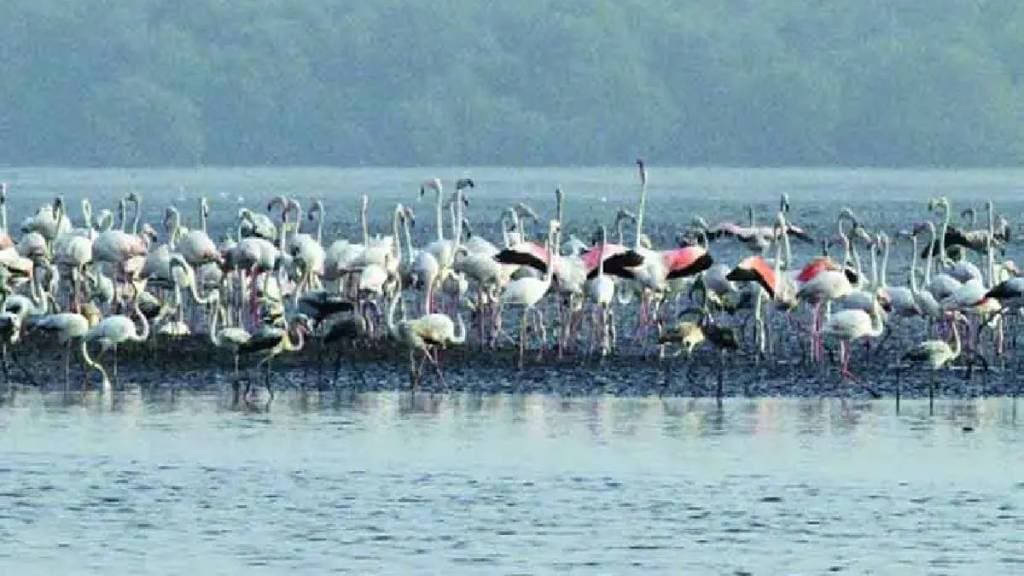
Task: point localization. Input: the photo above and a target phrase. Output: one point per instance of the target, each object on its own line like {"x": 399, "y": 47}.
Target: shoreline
{"x": 190, "y": 364}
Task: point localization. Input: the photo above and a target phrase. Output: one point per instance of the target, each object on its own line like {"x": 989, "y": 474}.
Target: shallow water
{"x": 505, "y": 484}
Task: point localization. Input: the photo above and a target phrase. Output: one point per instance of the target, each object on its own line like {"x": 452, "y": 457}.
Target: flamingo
{"x": 230, "y": 338}
{"x": 5, "y": 237}
{"x": 900, "y": 299}
{"x": 936, "y": 354}
{"x": 69, "y": 326}
{"x": 116, "y": 330}
{"x": 527, "y": 292}
{"x": 420, "y": 334}
{"x": 270, "y": 341}
{"x": 850, "y": 325}
{"x": 347, "y": 328}
{"x": 196, "y": 245}
{"x": 251, "y": 224}
{"x": 601, "y": 291}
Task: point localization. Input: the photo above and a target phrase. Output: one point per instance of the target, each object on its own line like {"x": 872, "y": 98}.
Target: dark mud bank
{"x": 190, "y": 364}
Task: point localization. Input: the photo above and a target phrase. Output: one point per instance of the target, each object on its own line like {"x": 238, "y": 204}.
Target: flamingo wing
{"x": 592, "y": 258}
{"x": 525, "y": 254}
{"x": 620, "y": 264}
{"x": 683, "y": 262}
{"x": 755, "y": 269}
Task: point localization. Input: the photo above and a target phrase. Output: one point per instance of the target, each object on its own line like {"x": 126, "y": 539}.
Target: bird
{"x": 270, "y": 341}
{"x": 601, "y": 292}
{"x": 116, "y": 330}
{"x": 936, "y": 354}
{"x": 345, "y": 330}
{"x": 230, "y": 338}
{"x": 848, "y": 326}
{"x": 69, "y": 326}
{"x": 527, "y": 292}
{"x": 421, "y": 334}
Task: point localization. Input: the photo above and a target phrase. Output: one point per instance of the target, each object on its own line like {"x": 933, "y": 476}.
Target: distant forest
{"x": 330, "y": 82}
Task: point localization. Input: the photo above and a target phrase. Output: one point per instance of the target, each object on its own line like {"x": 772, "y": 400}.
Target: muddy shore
{"x": 191, "y": 364}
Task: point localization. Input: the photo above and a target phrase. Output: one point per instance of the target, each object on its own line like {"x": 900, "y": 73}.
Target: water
{"x": 393, "y": 483}
{"x": 503, "y": 484}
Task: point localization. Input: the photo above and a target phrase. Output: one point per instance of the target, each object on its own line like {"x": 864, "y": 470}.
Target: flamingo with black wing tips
{"x": 527, "y": 292}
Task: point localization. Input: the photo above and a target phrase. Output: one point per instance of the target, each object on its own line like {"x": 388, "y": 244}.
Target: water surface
{"x": 504, "y": 484}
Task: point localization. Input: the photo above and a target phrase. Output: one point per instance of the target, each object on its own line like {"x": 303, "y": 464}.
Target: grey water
{"x": 503, "y": 484}
{"x": 888, "y": 200}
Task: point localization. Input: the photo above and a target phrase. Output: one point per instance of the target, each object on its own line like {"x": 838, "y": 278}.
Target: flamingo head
{"x": 523, "y": 211}
{"x": 302, "y": 322}
{"x": 58, "y": 206}
{"x": 784, "y": 203}
{"x": 431, "y": 184}
{"x": 848, "y": 215}
{"x": 884, "y": 299}
{"x": 643, "y": 171}
{"x": 927, "y": 225}
{"x": 277, "y": 201}
{"x": 317, "y": 208}
{"x": 3, "y": 192}
{"x": 464, "y": 183}
{"x": 409, "y": 216}
{"x": 148, "y": 234}
{"x": 938, "y": 203}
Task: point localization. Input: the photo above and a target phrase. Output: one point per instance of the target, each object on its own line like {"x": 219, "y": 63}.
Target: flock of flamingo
{"x": 269, "y": 286}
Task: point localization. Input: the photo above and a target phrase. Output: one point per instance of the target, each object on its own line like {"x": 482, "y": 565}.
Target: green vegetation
{"x": 749, "y": 82}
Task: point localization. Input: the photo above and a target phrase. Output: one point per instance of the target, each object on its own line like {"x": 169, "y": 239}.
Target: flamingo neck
{"x": 885, "y": 265}
{"x": 989, "y": 252}
{"x": 172, "y": 241}
{"x": 138, "y": 214}
{"x": 928, "y": 260}
{"x": 144, "y": 334}
{"x": 439, "y": 214}
{"x": 945, "y": 228}
{"x": 214, "y": 336}
{"x": 320, "y": 225}
{"x": 298, "y": 217}
{"x": 87, "y": 214}
{"x": 874, "y": 265}
{"x": 559, "y": 204}
{"x": 395, "y": 232}
{"x": 408, "y": 240}
{"x": 365, "y": 223}
{"x": 84, "y": 350}
{"x": 300, "y": 340}
{"x": 640, "y": 212}
{"x": 913, "y": 266}
{"x": 877, "y": 326}
{"x": 956, "y": 340}
{"x": 550, "y": 272}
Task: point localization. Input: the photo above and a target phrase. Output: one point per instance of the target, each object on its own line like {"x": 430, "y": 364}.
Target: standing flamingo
{"x": 527, "y": 292}
{"x": 850, "y": 325}
{"x": 115, "y": 330}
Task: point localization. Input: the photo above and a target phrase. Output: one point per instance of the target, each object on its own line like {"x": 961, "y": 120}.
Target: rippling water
{"x": 503, "y": 484}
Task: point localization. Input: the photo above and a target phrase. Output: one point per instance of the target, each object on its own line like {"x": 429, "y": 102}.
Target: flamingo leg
{"x": 67, "y": 365}
{"x": 522, "y": 336}
{"x": 541, "y": 331}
